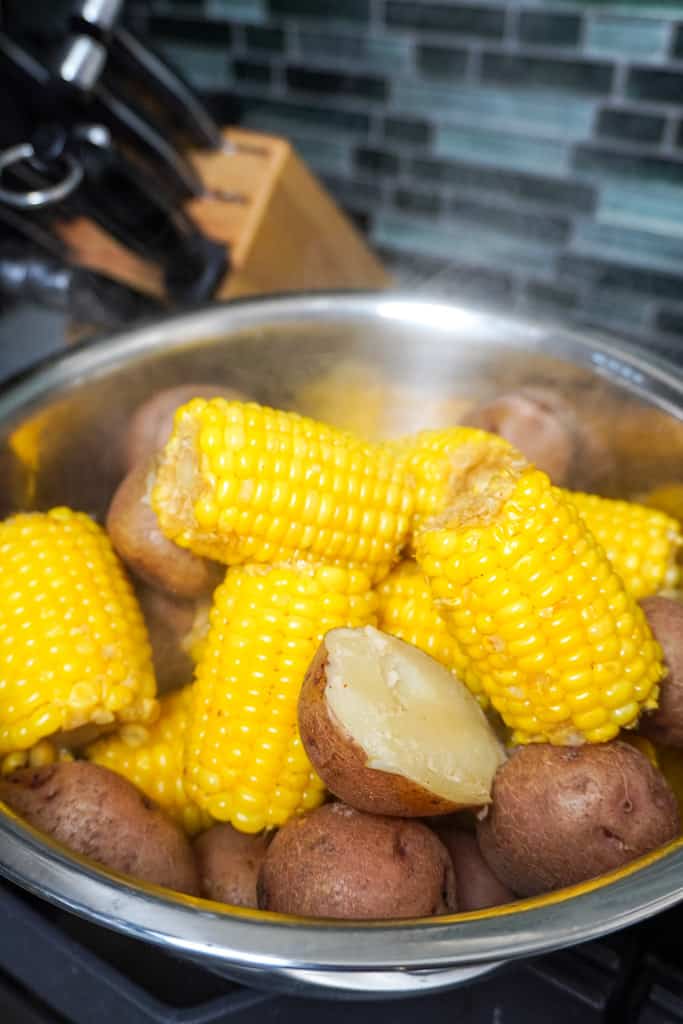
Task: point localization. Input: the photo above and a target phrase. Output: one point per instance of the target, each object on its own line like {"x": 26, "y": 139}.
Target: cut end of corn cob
{"x": 239, "y": 482}
{"x": 563, "y": 652}
{"x": 244, "y": 760}
{"x": 73, "y": 644}
{"x": 151, "y": 757}
{"x": 642, "y": 544}
{"x": 434, "y": 461}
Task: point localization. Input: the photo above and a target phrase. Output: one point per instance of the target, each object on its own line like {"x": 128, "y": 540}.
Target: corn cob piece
{"x": 431, "y": 460}
{"x": 244, "y": 760}
{"x": 151, "y": 757}
{"x": 73, "y": 645}
{"x": 406, "y": 609}
{"x": 641, "y": 543}
{"x": 562, "y": 651}
{"x": 239, "y": 482}
{"x": 44, "y": 752}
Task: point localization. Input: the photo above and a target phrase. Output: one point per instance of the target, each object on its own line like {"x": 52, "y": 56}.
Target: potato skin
{"x": 476, "y": 883}
{"x": 337, "y": 862}
{"x": 101, "y": 815}
{"x": 152, "y": 422}
{"x": 561, "y": 815}
{"x": 665, "y": 724}
{"x": 228, "y": 863}
{"x": 547, "y": 429}
{"x": 169, "y": 621}
{"x": 341, "y": 763}
{"x": 137, "y": 538}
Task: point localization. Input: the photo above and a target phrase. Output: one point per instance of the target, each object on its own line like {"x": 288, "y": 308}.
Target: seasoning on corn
{"x": 641, "y": 543}
{"x": 562, "y": 651}
{"x": 406, "y": 609}
{"x": 151, "y": 757}
{"x": 244, "y": 760}
{"x": 239, "y": 482}
{"x": 73, "y": 644}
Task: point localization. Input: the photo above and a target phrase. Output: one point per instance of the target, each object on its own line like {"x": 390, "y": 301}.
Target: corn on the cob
{"x": 244, "y": 760}
{"x": 73, "y": 645}
{"x": 239, "y": 482}
{"x": 151, "y": 757}
{"x": 406, "y": 609}
{"x": 641, "y": 543}
{"x": 560, "y": 648}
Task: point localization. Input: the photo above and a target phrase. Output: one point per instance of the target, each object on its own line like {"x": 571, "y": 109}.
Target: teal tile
{"x": 643, "y": 8}
{"x": 614, "y": 310}
{"x": 501, "y": 149}
{"x": 627, "y": 37}
{"x": 488, "y": 248}
{"x": 204, "y": 66}
{"x": 252, "y": 12}
{"x": 629, "y": 245}
{"x": 557, "y": 115}
{"x": 657, "y": 208}
{"x": 323, "y": 155}
{"x": 390, "y": 53}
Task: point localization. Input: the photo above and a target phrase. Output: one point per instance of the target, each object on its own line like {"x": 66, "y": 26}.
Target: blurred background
{"x": 529, "y": 154}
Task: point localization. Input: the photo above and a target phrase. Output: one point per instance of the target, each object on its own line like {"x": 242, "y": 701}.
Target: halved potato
{"x": 391, "y": 731}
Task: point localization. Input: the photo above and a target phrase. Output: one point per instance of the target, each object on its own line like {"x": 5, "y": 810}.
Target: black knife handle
{"x": 139, "y": 62}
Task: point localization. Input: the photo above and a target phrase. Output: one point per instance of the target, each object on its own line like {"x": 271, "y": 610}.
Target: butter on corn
{"x": 561, "y": 649}
{"x": 151, "y": 757}
{"x": 244, "y": 760}
{"x": 239, "y": 482}
{"x": 73, "y": 644}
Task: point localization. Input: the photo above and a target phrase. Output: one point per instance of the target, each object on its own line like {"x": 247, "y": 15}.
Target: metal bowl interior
{"x": 387, "y": 365}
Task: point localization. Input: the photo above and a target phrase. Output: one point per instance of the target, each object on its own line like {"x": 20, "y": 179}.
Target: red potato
{"x": 135, "y": 533}
{"x": 340, "y": 863}
{"x": 99, "y": 814}
{"x": 152, "y": 422}
{"x": 228, "y": 862}
{"x": 476, "y": 884}
{"x": 173, "y": 627}
{"x": 665, "y": 724}
{"x": 391, "y": 731}
{"x": 561, "y": 815}
{"x": 550, "y": 432}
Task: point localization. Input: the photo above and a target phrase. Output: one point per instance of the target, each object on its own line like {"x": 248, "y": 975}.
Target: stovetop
{"x": 58, "y": 969}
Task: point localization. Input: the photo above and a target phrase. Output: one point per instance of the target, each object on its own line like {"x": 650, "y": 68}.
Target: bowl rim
{"x": 255, "y": 939}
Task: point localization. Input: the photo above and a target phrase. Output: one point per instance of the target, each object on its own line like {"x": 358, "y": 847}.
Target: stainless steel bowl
{"x": 58, "y": 430}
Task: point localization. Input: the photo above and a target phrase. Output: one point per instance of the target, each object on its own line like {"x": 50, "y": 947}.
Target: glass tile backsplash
{"x": 526, "y": 153}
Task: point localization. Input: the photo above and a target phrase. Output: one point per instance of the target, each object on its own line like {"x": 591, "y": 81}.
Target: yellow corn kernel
{"x": 239, "y": 482}
{"x": 73, "y": 644}
{"x": 406, "y": 609}
{"x": 641, "y": 543}
{"x": 244, "y": 760}
{"x": 562, "y": 633}
{"x": 151, "y": 757}
{"x": 44, "y": 752}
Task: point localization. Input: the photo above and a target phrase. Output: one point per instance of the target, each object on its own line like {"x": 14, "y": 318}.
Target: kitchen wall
{"x": 527, "y": 153}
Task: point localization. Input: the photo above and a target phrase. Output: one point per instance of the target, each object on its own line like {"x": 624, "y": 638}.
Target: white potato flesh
{"x": 410, "y": 715}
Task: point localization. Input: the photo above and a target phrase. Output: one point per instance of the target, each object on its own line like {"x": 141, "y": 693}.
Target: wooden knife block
{"x": 283, "y": 231}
